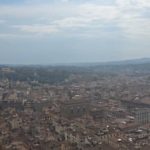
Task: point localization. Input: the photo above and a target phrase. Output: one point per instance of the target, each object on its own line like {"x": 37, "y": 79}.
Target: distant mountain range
{"x": 127, "y": 62}
{"x": 124, "y": 62}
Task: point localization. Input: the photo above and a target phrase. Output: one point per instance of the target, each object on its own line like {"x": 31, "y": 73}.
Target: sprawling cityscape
{"x": 74, "y": 74}
{"x": 93, "y": 110}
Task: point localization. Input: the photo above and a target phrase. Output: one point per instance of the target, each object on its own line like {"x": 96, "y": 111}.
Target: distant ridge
{"x": 123, "y": 62}
{"x": 127, "y": 62}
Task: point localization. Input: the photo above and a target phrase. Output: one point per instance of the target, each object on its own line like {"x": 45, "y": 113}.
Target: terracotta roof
{"x": 134, "y": 124}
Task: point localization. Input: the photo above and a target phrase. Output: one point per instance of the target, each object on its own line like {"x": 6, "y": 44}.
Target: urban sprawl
{"x": 87, "y": 112}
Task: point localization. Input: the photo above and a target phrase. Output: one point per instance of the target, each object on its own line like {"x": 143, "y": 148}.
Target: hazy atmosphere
{"x": 74, "y": 74}
{"x": 70, "y": 31}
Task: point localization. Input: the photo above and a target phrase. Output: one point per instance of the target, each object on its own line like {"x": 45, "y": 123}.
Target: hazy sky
{"x": 62, "y": 31}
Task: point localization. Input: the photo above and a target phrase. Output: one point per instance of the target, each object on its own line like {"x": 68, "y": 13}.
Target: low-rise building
{"x": 74, "y": 109}
{"x": 16, "y": 122}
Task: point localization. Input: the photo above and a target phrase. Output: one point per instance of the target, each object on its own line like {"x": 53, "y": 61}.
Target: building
{"x": 74, "y": 109}
{"x": 74, "y": 136}
{"x": 40, "y": 104}
{"x": 142, "y": 115}
{"x": 37, "y": 105}
{"x": 6, "y": 70}
{"x": 16, "y": 122}
{"x": 133, "y": 104}
{"x": 114, "y": 113}
{"x": 11, "y": 100}
{"x": 29, "y": 105}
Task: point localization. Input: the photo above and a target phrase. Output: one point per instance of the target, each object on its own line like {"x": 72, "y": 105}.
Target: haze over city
{"x": 71, "y": 31}
{"x": 74, "y": 74}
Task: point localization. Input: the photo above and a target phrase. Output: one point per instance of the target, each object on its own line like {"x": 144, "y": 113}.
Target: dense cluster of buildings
{"x": 108, "y": 114}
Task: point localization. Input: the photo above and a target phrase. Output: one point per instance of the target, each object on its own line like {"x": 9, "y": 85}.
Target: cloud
{"x": 14, "y": 36}
{"x": 88, "y": 13}
{"x": 86, "y": 30}
{"x": 136, "y": 27}
{"x": 97, "y": 12}
{"x": 43, "y": 29}
{"x": 48, "y": 18}
{"x": 132, "y": 18}
{"x": 126, "y": 4}
{"x": 72, "y": 22}
{"x": 2, "y": 21}
{"x": 64, "y": 1}
{"x": 86, "y": 17}
{"x": 36, "y": 10}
